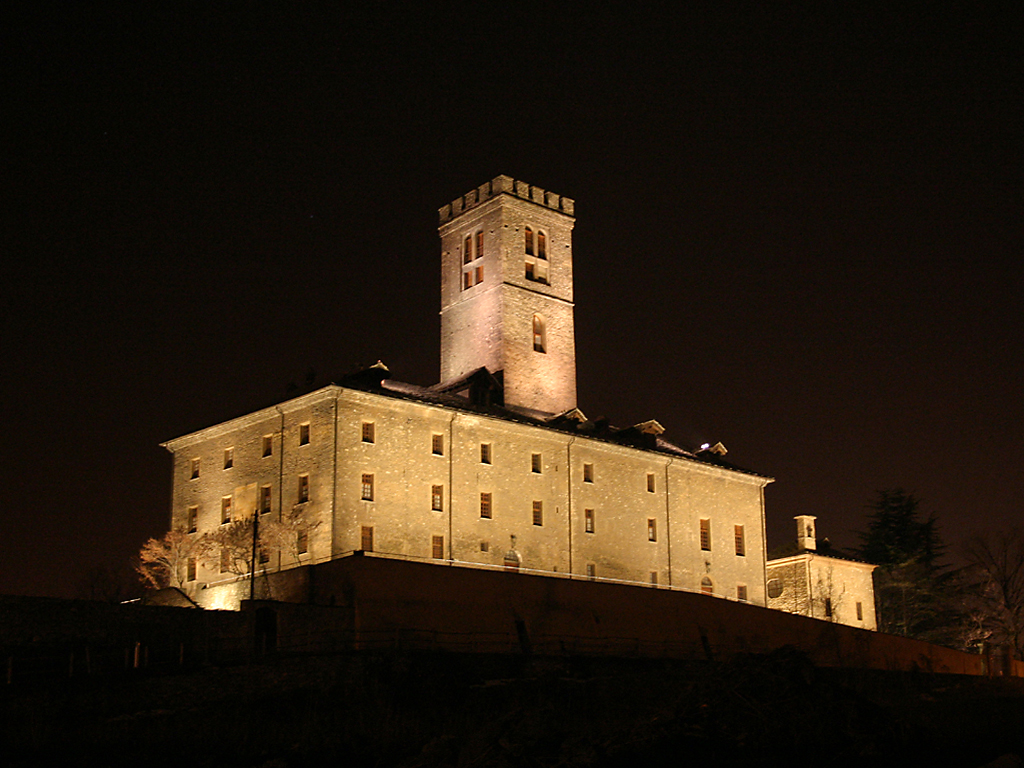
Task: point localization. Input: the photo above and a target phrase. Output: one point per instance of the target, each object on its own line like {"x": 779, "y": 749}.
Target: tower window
{"x": 650, "y": 482}
{"x": 652, "y": 530}
{"x": 193, "y": 519}
{"x": 467, "y": 251}
{"x": 535, "y": 463}
{"x": 705, "y": 534}
{"x": 588, "y": 473}
{"x": 225, "y": 510}
{"x": 303, "y": 488}
{"x": 529, "y": 241}
{"x": 485, "y": 453}
{"x": 485, "y": 505}
{"x": 367, "y": 491}
{"x": 437, "y": 498}
{"x": 741, "y": 545}
{"x": 539, "y": 340}
{"x": 479, "y": 275}
{"x": 369, "y": 432}
{"x": 479, "y": 245}
{"x": 538, "y": 513}
{"x": 437, "y": 547}
{"x": 264, "y": 499}
{"x": 437, "y": 445}
{"x": 229, "y": 458}
{"x": 542, "y": 245}
{"x": 304, "y": 434}
{"x": 467, "y": 279}
{"x": 588, "y": 520}
{"x": 195, "y": 468}
{"x": 268, "y": 445}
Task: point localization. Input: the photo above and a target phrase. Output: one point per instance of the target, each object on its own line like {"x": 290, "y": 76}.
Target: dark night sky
{"x": 799, "y": 234}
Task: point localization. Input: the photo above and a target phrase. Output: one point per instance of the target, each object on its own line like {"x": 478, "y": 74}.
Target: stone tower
{"x": 506, "y": 292}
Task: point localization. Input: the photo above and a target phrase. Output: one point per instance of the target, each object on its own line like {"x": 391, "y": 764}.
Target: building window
{"x": 268, "y": 445}
{"x": 366, "y": 542}
{"x": 706, "y": 586}
{"x": 539, "y": 341}
{"x": 479, "y": 275}
{"x": 588, "y": 473}
{"x": 467, "y": 279}
{"x": 860, "y": 612}
{"x": 705, "y": 534}
{"x": 828, "y": 607}
{"x": 485, "y": 505}
{"x": 195, "y": 468}
{"x": 302, "y": 542}
{"x": 304, "y": 434}
{"x": 264, "y": 556}
{"x": 485, "y": 546}
{"x": 437, "y": 445}
{"x": 368, "y": 432}
{"x": 467, "y": 249}
{"x": 538, "y": 513}
{"x": 437, "y": 498}
{"x": 264, "y": 499}
{"x": 741, "y": 592}
{"x": 225, "y": 560}
{"x": 741, "y": 545}
{"x": 774, "y": 588}
{"x": 367, "y": 488}
{"x": 479, "y": 245}
{"x": 650, "y": 482}
{"x": 485, "y": 453}
{"x": 229, "y": 458}
{"x": 225, "y": 510}
{"x": 193, "y": 519}
{"x": 654, "y": 578}
{"x": 588, "y": 520}
{"x": 529, "y": 272}
{"x": 437, "y": 547}
{"x": 191, "y": 569}
{"x": 542, "y": 245}
{"x": 535, "y": 463}
{"x": 529, "y": 241}
{"x": 591, "y": 571}
{"x": 652, "y": 530}
{"x": 304, "y": 488}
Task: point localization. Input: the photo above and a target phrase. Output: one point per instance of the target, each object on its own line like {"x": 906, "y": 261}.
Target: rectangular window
{"x": 828, "y": 607}
{"x": 485, "y": 546}
{"x": 705, "y": 534}
{"x": 485, "y": 505}
{"x": 229, "y": 458}
{"x": 437, "y": 445}
{"x": 529, "y": 271}
{"x": 304, "y": 434}
{"x": 650, "y": 482}
{"x": 367, "y": 488}
{"x": 303, "y": 488}
{"x": 366, "y": 542}
{"x": 264, "y": 556}
{"x": 225, "y": 560}
{"x": 225, "y": 510}
{"x": 302, "y": 542}
{"x": 654, "y": 578}
{"x": 538, "y": 513}
{"x": 588, "y": 520}
{"x": 652, "y": 531}
{"x": 195, "y": 468}
{"x": 264, "y": 499}
{"x": 591, "y": 571}
{"x": 191, "y": 569}
{"x": 479, "y": 275}
{"x": 479, "y": 245}
{"x": 467, "y": 249}
{"x": 741, "y": 545}
{"x": 588, "y": 473}
{"x": 368, "y": 432}
{"x": 860, "y": 612}
{"x": 268, "y": 445}
{"x": 193, "y": 519}
{"x": 467, "y": 279}
{"x": 485, "y": 453}
{"x": 542, "y": 245}
{"x": 741, "y": 592}
{"x": 437, "y": 547}
{"x": 437, "y": 498}
{"x": 535, "y": 463}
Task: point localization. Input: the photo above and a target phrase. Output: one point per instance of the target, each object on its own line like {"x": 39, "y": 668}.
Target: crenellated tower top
{"x": 509, "y": 186}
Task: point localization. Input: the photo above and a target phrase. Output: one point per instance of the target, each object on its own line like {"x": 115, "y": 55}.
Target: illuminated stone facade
{"x": 493, "y": 467}
{"x": 821, "y": 586}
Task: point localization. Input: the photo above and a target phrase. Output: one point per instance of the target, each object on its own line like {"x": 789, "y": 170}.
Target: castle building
{"x": 493, "y": 467}
{"x": 821, "y": 584}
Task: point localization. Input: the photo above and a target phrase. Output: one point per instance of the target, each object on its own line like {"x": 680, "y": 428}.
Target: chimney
{"x": 805, "y": 536}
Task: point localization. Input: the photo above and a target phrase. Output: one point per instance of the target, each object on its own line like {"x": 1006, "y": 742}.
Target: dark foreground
{"x": 465, "y": 710}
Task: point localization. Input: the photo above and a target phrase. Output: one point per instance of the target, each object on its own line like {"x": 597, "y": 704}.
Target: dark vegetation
{"x": 466, "y": 710}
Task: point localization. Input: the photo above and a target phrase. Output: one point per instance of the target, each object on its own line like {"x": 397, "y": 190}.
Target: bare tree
{"x": 291, "y": 533}
{"x": 994, "y": 588}
{"x": 164, "y": 562}
{"x": 828, "y": 595}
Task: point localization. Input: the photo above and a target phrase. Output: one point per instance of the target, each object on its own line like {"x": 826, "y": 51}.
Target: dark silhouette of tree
{"x": 909, "y": 594}
{"x": 992, "y": 587}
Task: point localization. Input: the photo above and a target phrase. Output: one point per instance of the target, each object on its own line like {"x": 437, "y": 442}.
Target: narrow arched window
{"x": 542, "y": 245}
{"x": 467, "y": 250}
{"x": 479, "y": 245}
{"x": 539, "y": 340}
{"x": 529, "y": 242}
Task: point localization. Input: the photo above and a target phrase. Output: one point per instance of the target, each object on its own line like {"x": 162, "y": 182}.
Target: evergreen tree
{"x": 908, "y": 581}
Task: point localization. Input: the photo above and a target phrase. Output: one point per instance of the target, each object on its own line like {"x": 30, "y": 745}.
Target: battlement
{"x": 509, "y": 186}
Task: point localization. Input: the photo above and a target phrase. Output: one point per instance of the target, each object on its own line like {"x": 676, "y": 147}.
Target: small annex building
{"x": 495, "y": 466}
{"x": 822, "y": 585}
